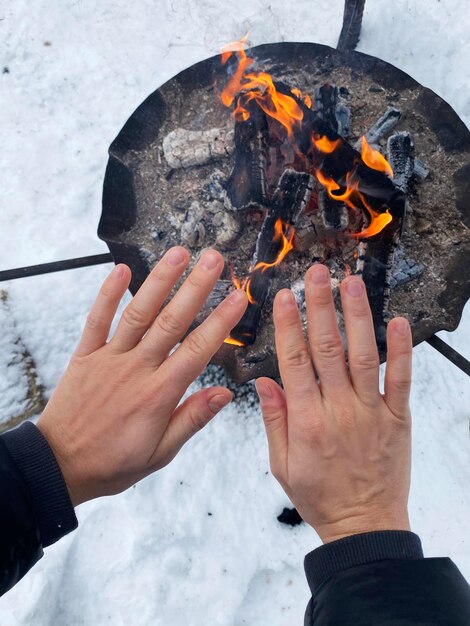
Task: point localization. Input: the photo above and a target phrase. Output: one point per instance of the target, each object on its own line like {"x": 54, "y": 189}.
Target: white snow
{"x": 154, "y": 555}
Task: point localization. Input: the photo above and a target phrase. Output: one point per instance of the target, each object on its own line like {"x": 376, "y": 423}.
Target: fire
{"x": 325, "y": 145}
{"x": 353, "y": 198}
{"x": 373, "y": 159}
{"x": 259, "y": 86}
{"x": 377, "y": 224}
{"x": 282, "y": 232}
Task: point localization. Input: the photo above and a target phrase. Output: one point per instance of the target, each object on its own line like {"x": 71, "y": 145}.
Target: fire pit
{"x": 288, "y": 154}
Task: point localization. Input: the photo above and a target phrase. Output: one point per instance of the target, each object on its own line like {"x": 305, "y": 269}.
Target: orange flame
{"x": 325, "y": 145}
{"x": 258, "y": 86}
{"x": 373, "y": 159}
{"x": 353, "y": 198}
{"x": 234, "y": 342}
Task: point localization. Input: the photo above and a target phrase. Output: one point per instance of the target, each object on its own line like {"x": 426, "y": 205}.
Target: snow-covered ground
{"x": 198, "y": 542}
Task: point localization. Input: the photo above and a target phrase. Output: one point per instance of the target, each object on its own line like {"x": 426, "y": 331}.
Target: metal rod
{"x": 352, "y": 22}
{"x": 452, "y": 355}
{"x": 56, "y": 266}
{"x": 97, "y": 259}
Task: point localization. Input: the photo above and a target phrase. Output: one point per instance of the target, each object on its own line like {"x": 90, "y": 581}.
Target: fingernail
{"x": 286, "y": 298}
{"x": 237, "y": 296}
{"x": 210, "y": 260}
{"x": 175, "y": 256}
{"x": 118, "y": 271}
{"x": 264, "y": 392}
{"x": 216, "y": 403}
{"x": 354, "y": 287}
{"x": 319, "y": 275}
{"x": 401, "y": 327}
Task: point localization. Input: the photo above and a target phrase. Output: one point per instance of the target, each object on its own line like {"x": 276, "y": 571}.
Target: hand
{"x": 113, "y": 418}
{"x": 339, "y": 448}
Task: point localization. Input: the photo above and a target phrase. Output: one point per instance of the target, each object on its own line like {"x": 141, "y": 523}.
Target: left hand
{"x": 114, "y": 417}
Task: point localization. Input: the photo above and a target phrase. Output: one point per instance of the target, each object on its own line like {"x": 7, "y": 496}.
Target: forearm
{"x": 36, "y": 508}
{"x": 383, "y": 578}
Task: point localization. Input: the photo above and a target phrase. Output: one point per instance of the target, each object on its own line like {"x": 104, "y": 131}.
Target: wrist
{"x": 366, "y": 523}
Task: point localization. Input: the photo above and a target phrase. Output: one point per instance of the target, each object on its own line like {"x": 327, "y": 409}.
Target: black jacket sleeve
{"x": 35, "y": 507}
{"x": 382, "y": 579}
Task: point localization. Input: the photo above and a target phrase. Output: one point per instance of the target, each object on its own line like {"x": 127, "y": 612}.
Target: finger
{"x": 102, "y": 313}
{"x": 188, "y": 419}
{"x": 141, "y": 311}
{"x": 363, "y": 356}
{"x": 274, "y": 411}
{"x": 294, "y": 360}
{"x": 192, "y": 356}
{"x": 398, "y": 370}
{"x": 175, "y": 319}
{"x": 325, "y": 339}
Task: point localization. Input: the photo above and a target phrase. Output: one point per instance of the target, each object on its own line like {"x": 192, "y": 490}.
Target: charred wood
{"x": 325, "y": 101}
{"x": 401, "y": 156}
{"x": 343, "y": 117}
{"x": 288, "y": 202}
{"x": 246, "y": 185}
{"x": 382, "y": 126}
{"x": 421, "y": 171}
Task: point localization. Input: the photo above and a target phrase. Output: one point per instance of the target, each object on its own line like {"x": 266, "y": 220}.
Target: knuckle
{"x": 169, "y": 323}
{"x": 135, "y": 317}
{"x": 196, "y": 421}
{"x": 94, "y": 322}
{"x": 329, "y": 348}
{"x": 402, "y": 385}
{"x": 196, "y": 281}
{"x": 196, "y": 344}
{"x": 296, "y": 357}
{"x": 365, "y": 362}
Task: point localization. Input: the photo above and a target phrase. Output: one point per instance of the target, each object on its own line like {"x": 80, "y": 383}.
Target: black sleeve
{"x": 35, "y": 507}
{"x": 381, "y": 578}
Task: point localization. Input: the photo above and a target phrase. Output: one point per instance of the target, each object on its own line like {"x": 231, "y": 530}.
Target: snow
{"x": 154, "y": 555}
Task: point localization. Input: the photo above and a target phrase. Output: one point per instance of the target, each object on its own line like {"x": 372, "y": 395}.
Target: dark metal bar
{"x": 56, "y": 266}
{"x": 452, "y": 355}
{"x": 352, "y": 22}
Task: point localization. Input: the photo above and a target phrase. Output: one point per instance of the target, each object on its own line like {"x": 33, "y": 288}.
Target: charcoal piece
{"x": 421, "y": 171}
{"x": 288, "y": 202}
{"x": 382, "y": 126}
{"x": 404, "y": 269}
{"x": 246, "y": 186}
{"x": 186, "y": 148}
{"x": 401, "y": 156}
{"x": 343, "y": 117}
{"x": 334, "y": 213}
{"x": 220, "y": 291}
{"x": 325, "y": 102}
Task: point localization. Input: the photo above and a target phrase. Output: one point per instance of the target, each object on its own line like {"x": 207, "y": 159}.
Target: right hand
{"x": 340, "y": 449}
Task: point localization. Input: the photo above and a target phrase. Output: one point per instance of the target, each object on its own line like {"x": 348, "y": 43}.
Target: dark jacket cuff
{"x": 327, "y": 560}
{"x": 37, "y": 464}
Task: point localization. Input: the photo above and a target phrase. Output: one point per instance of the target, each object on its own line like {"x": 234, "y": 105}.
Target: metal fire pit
{"x": 140, "y": 187}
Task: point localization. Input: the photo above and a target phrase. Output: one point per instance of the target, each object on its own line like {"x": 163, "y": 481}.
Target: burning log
{"x": 246, "y": 186}
{"x": 334, "y": 214}
{"x": 401, "y": 156}
{"x": 187, "y": 148}
{"x": 288, "y": 202}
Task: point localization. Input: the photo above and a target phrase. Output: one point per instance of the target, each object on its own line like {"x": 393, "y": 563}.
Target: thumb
{"x": 190, "y": 417}
{"x": 274, "y": 410}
